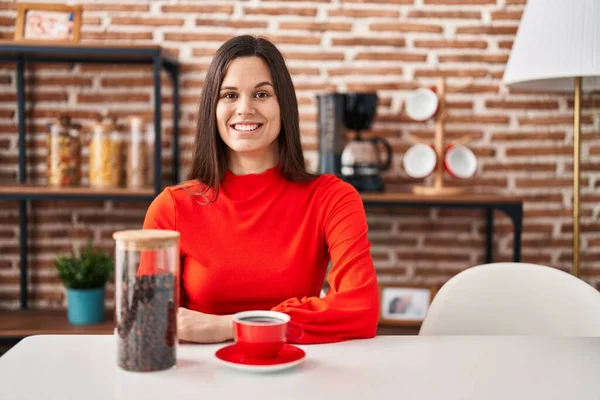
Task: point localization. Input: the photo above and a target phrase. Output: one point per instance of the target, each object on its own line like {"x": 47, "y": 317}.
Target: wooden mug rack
{"x": 439, "y": 187}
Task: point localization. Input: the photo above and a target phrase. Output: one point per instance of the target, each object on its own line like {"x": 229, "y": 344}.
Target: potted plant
{"x": 85, "y": 276}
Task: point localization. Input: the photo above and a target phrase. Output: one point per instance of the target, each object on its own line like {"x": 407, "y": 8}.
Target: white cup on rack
{"x": 422, "y": 104}
{"x": 419, "y": 161}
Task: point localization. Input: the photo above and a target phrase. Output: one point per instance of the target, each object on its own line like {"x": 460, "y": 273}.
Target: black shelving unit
{"x": 22, "y": 53}
{"x": 487, "y": 202}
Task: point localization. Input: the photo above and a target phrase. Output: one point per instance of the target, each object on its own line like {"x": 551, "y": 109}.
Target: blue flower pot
{"x": 85, "y": 306}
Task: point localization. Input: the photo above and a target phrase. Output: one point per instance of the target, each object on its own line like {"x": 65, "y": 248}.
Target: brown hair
{"x": 210, "y": 161}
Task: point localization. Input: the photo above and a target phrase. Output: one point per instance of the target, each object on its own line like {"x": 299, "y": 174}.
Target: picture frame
{"x": 404, "y": 304}
{"x": 48, "y": 23}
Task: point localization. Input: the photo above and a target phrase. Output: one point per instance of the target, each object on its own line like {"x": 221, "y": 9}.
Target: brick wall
{"x": 523, "y": 140}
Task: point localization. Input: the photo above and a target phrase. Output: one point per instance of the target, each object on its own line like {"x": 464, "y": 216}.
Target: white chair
{"x": 514, "y": 299}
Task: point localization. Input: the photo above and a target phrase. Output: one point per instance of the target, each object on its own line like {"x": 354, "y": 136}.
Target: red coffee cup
{"x": 261, "y": 334}
{"x": 460, "y": 162}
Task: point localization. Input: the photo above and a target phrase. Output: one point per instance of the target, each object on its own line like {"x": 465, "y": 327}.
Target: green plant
{"x": 90, "y": 270}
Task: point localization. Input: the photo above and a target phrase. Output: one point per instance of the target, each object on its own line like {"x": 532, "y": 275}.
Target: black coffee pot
{"x": 361, "y": 161}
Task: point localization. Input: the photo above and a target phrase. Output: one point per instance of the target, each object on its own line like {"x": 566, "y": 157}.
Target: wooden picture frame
{"x": 404, "y": 304}
{"x": 48, "y": 23}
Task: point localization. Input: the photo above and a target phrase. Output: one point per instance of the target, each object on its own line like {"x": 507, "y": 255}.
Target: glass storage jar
{"x": 105, "y": 156}
{"x": 146, "y": 298}
{"x": 63, "y": 162}
{"x": 137, "y": 162}
{"x": 149, "y": 144}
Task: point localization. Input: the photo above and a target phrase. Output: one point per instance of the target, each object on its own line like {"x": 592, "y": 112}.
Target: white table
{"x": 387, "y": 367}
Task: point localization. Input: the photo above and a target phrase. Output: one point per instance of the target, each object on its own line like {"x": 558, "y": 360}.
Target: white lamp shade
{"x": 557, "y": 41}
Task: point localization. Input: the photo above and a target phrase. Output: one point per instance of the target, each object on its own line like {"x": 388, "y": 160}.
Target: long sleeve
{"x": 350, "y": 310}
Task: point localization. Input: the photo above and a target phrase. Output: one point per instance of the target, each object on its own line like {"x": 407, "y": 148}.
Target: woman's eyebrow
{"x": 257, "y": 86}
{"x": 263, "y": 84}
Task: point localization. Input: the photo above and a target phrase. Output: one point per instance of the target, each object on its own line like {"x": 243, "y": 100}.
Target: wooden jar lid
{"x": 147, "y": 239}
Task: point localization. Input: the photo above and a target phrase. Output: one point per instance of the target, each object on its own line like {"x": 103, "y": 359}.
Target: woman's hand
{"x": 194, "y": 326}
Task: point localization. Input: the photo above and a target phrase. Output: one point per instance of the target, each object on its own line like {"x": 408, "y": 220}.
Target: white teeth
{"x": 240, "y": 127}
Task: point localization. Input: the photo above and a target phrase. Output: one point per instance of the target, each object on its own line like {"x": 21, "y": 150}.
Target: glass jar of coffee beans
{"x": 146, "y": 298}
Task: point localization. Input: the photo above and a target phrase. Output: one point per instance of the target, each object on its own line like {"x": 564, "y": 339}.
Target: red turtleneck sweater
{"x": 266, "y": 244}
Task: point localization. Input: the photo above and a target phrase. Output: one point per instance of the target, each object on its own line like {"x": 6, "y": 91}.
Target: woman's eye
{"x": 262, "y": 95}
{"x": 229, "y": 95}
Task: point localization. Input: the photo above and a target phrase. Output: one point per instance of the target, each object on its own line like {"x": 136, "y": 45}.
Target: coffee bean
{"x": 147, "y": 324}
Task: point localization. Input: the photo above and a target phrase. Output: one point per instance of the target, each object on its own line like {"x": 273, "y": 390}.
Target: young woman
{"x": 257, "y": 230}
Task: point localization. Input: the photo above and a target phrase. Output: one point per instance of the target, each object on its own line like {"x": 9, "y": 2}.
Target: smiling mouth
{"x": 246, "y": 128}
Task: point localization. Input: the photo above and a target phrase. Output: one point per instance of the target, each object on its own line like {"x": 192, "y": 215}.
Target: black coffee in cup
{"x": 262, "y": 320}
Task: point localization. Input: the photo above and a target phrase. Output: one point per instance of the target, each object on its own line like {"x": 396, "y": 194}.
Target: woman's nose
{"x": 245, "y": 106}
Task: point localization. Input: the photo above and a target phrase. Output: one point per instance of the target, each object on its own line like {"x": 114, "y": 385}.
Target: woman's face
{"x": 248, "y": 117}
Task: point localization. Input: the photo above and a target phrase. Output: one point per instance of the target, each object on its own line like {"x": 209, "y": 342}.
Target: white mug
{"x": 422, "y": 104}
{"x": 419, "y": 160}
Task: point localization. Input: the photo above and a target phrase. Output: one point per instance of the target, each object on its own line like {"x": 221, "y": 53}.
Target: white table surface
{"x": 388, "y": 367}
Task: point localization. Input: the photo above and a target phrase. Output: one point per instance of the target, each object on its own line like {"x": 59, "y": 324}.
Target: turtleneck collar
{"x": 270, "y": 171}
{"x": 239, "y": 187}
